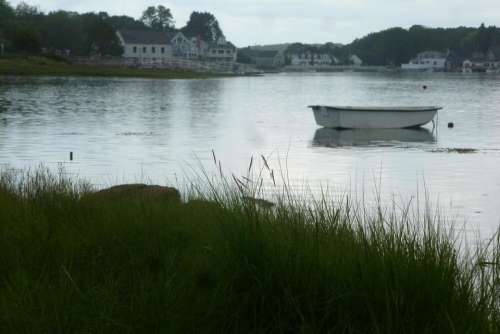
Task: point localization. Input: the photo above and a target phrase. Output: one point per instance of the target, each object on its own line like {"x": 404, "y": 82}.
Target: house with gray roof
{"x": 221, "y": 51}
{"x": 265, "y": 58}
{"x": 145, "y": 46}
{"x": 312, "y": 59}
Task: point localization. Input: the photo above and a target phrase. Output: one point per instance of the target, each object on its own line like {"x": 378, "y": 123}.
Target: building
{"x": 324, "y": 59}
{"x": 355, "y": 60}
{"x": 312, "y": 59}
{"x": 145, "y": 46}
{"x": 454, "y": 61}
{"x": 301, "y": 59}
{"x": 482, "y": 63}
{"x": 265, "y": 58}
{"x": 221, "y": 51}
{"x": 188, "y": 48}
{"x": 428, "y": 60}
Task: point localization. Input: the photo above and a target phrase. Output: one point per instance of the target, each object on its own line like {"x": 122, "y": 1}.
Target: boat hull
{"x": 375, "y": 118}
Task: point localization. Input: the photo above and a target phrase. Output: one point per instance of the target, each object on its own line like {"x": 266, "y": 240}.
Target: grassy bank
{"x": 74, "y": 263}
{"x": 41, "y": 66}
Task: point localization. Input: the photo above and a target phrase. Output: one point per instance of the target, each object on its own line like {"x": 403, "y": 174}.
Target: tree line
{"x": 26, "y": 29}
{"x": 395, "y": 46}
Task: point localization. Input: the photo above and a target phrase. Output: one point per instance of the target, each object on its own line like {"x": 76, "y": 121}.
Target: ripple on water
{"x": 124, "y": 129}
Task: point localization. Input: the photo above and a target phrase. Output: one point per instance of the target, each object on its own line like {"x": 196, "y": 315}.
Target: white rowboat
{"x": 373, "y": 117}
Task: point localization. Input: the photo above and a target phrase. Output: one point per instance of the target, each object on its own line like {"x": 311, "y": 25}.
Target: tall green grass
{"x": 71, "y": 262}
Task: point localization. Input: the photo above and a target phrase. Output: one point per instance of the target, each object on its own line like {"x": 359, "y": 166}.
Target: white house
{"x": 153, "y": 46}
{"x": 186, "y": 48}
{"x": 428, "y": 60}
{"x": 301, "y": 59}
{"x": 269, "y": 59}
{"x": 469, "y": 66}
{"x": 145, "y": 45}
{"x": 355, "y": 60}
{"x": 324, "y": 59}
{"x": 312, "y": 59}
{"x": 221, "y": 51}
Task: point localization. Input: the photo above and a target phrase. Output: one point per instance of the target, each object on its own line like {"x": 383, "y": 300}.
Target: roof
{"x": 227, "y": 45}
{"x": 431, "y": 55}
{"x": 478, "y": 56}
{"x": 495, "y": 51}
{"x": 260, "y": 53}
{"x": 146, "y": 36}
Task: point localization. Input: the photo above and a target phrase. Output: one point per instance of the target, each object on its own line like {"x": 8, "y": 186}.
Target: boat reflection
{"x": 371, "y": 137}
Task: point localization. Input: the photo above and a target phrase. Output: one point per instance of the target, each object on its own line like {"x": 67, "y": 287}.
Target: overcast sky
{"x": 250, "y": 22}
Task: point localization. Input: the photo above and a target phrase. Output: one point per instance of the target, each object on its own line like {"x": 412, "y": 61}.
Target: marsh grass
{"x": 42, "y": 66}
{"x": 222, "y": 262}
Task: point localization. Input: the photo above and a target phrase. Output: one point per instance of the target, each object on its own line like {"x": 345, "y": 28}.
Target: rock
{"x": 137, "y": 191}
{"x": 204, "y": 205}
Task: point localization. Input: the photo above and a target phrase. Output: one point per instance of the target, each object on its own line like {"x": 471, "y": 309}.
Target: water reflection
{"x": 123, "y": 130}
{"x": 371, "y": 137}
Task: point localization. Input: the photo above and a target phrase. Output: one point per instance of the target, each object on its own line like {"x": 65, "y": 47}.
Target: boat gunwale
{"x": 378, "y": 109}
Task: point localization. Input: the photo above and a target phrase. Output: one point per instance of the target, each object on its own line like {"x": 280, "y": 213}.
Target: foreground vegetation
{"x": 73, "y": 262}
{"x": 42, "y": 66}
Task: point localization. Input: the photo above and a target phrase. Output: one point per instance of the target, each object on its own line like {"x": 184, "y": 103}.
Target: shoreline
{"x": 42, "y": 66}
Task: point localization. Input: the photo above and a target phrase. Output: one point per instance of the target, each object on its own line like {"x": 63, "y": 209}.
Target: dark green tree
{"x": 26, "y": 40}
{"x": 25, "y": 10}
{"x": 102, "y": 38}
{"x": 158, "y": 18}
{"x": 203, "y": 25}
{"x": 64, "y": 30}
{"x": 6, "y": 15}
{"x": 6, "y": 11}
{"x": 126, "y": 22}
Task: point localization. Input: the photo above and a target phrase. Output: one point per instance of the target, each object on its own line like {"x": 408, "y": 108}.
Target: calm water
{"x": 124, "y": 130}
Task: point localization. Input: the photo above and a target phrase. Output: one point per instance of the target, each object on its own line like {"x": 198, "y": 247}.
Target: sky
{"x": 258, "y": 22}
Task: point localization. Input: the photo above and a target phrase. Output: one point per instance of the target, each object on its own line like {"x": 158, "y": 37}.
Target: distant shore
{"x": 43, "y": 66}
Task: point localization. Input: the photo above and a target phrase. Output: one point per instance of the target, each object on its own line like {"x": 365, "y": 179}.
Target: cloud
{"x": 273, "y": 21}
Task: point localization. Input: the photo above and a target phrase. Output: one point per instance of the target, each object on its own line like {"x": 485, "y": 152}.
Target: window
{"x": 162, "y": 50}
{"x": 228, "y": 52}
{"x": 134, "y": 49}
{"x": 435, "y": 63}
{"x": 221, "y": 52}
{"x": 143, "y": 49}
{"x": 153, "y": 49}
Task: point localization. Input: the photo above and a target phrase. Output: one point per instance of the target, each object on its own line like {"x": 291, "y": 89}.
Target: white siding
{"x": 425, "y": 64}
{"x": 147, "y": 51}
